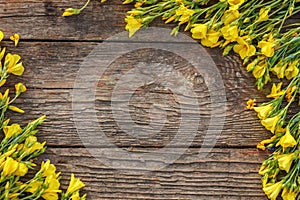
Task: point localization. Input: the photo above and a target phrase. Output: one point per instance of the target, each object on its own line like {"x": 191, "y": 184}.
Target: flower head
{"x": 199, "y": 31}
{"x": 287, "y": 140}
{"x": 184, "y": 13}
{"x": 243, "y": 48}
{"x": 270, "y": 123}
{"x": 211, "y": 38}
{"x": 230, "y": 33}
{"x": 9, "y": 131}
{"x": 288, "y": 194}
{"x": 250, "y": 104}
{"x": 285, "y": 161}
{"x": 75, "y": 185}
{"x": 133, "y": 25}
{"x": 292, "y": 70}
{"x": 263, "y": 111}
{"x": 230, "y": 16}
{"x": 276, "y": 91}
{"x": 272, "y": 190}
{"x": 15, "y": 38}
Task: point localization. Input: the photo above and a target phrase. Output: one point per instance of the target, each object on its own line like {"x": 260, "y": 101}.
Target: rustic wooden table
{"x": 52, "y": 48}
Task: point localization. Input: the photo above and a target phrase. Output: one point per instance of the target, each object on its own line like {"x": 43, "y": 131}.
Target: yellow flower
{"x": 211, "y": 38}
{"x": 2, "y": 82}
{"x": 21, "y": 170}
{"x": 13, "y": 67}
{"x": 266, "y": 48}
{"x": 199, "y": 31}
{"x": 292, "y": 70}
{"x": 287, "y": 140}
{"x": 230, "y": 33}
{"x": 289, "y": 93}
{"x": 276, "y": 91}
{"x": 270, "y": 123}
{"x": 259, "y": 70}
{"x": 133, "y": 25}
{"x": 15, "y": 109}
{"x": 71, "y": 11}
{"x": 49, "y": 169}
{"x": 10, "y": 166}
{"x": 272, "y": 190}
{"x": 75, "y": 196}
{"x": 138, "y": 4}
{"x": 184, "y": 13}
{"x": 288, "y": 194}
{"x": 230, "y": 15}
{"x": 263, "y": 15}
{"x": 1, "y": 36}
{"x": 15, "y": 38}
{"x": 285, "y": 161}
{"x": 53, "y": 188}
{"x": 243, "y": 48}
{"x": 279, "y": 69}
{"x": 75, "y": 185}
{"x": 263, "y": 111}
{"x": 262, "y": 144}
{"x": 20, "y": 88}
{"x": 9, "y": 131}
{"x": 34, "y": 186}
{"x": 235, "y": 4}
{"x": 250, "y": 104}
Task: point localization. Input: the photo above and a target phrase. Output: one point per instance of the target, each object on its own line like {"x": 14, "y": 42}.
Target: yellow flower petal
{"x": 272, "y": 190}
{"x": 15, "y": 38}
{"x": 270, "y": 123}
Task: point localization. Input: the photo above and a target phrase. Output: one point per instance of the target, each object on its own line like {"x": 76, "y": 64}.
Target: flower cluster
{"x": 19, "y": 146}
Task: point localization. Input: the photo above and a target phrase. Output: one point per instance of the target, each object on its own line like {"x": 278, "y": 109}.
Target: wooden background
{"x": 52, "y": 48}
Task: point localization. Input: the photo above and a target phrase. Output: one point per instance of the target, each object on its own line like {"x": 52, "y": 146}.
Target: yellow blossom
{"x": 20, "y": 88}
{"x": 10, "y": 166}
{"x": 263, "y": 15}
{"x": 263, "y": 111}
{"x": 289, "y": 92}
{"x": 21, "y": 170}
{"x": 287, "y": 140}
{"x": 243, "y": 48}
{"x": 276, "y": 91}
{"x": 262, "y": 144}
{"x": 133, "y": 25}
{"x": 48, "y": 169}
{"x": 1, "y": 36}
{"x": 230, "y": 15}
{"x": 199, "y": 31}
{"x": 138, "y": 4}
{"x": 71, "y": 11}
{"x": 250, "y": 104}
{"x": 279, "y": 69}
{"x": 230, "y": 33}
{"x": 235, "y": 4}
{"x": 288, "y": 194}
{"x": 15, "y": 109}
{"x": 259, "y": 70}
{"x": 75, "y": 185}
{"x": 270, "y": 123}
{"x": 75, "y": 196}
{"x": 292, "y": 70}
{"x": 211, "y": 38}
{"x": 9, "y": 131}
{"x": 13, "y": 67}
{"x": 184, "y": 13}
{"x": 34, "y": 186}
{"x": 285, "y": 161}
{"x": 15, "y": 38}
{"x": 272, "y": 190}
{"x": 53, "y": 188}
{"x": 266, "y": 48}
{"x": 2, "y": 82}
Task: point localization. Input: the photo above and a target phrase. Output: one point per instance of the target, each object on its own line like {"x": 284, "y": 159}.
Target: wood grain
{"x": 52, "y": 67}
{"x": 223, "y": 174}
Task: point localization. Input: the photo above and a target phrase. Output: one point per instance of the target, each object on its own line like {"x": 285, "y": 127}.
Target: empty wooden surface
{"x": 53, "y": 49}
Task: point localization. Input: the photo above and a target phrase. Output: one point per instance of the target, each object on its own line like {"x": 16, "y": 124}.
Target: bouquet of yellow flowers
{"x": 20, "y": 147}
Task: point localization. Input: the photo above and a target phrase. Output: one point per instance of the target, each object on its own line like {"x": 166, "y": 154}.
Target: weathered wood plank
{"x": 223, "y": 174}
{"x": 51, "y": 69}
{"x": 42, "y": 19}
